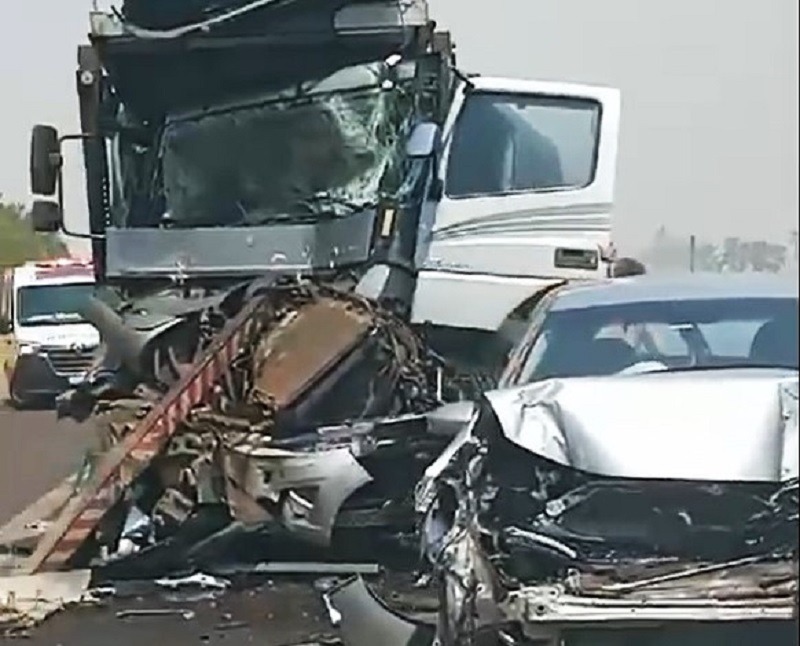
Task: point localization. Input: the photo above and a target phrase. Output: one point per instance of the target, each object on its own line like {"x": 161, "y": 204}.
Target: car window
{"x": 648, "y": 338}
{"x": 52, "y": 304}
{"x": 530, "y": 342}
{"x": 609, "y": 339}
{"x": 731, "y": 338}
{"x": 667, "y": 340}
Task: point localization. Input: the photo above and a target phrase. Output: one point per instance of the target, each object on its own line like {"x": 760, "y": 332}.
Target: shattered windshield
{"x": 52, "y": 304}
{"x": 327, "y": 148}
{"x": 644, "y": 336}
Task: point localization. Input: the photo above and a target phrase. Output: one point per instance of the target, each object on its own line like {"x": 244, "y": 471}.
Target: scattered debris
{"x": 199, "y": 580}
{"x": 230, "y": 625}
{"x": 316, "y": 568}
{"x": 26, "y": 600}
{"x": 156, "y": 612}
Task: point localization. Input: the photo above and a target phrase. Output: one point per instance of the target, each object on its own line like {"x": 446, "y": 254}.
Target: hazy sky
{"x": 710, "y": 97}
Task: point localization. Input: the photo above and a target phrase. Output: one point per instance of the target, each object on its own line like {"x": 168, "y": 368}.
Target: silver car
{"x": 633, "y": 481}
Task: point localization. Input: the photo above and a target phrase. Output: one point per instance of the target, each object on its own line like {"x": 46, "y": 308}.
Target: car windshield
{"x": 662, "y": 335}
{"x": 330, "y": 147}
{"x": 52, "y": 304}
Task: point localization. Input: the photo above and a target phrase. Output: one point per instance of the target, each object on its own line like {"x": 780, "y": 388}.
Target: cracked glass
{"x": 329, "y": 148}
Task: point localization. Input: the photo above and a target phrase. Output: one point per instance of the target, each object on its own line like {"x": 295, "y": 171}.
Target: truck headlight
{"x": 28, "y": 348}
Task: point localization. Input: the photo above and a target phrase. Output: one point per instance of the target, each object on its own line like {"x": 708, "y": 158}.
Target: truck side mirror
{"x": 46, "y": 216}
{"x": 6, "y": 326}
{"x": 45, "y": 160}
{"x": 423, "y": 141}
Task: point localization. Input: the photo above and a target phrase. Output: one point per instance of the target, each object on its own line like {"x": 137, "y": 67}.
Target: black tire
{"x": 17, "y": 402}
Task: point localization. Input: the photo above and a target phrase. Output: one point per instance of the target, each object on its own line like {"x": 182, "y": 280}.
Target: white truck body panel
{"x": 497, "y": 250}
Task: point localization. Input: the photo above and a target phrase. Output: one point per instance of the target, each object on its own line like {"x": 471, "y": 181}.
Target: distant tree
{"x": 19, "y": 242}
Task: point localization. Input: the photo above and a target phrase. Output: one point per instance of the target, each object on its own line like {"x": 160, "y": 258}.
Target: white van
{"x": 53, "y": 346}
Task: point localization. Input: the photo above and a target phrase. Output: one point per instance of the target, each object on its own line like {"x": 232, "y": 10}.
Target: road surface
{"x": 37, "y": 453}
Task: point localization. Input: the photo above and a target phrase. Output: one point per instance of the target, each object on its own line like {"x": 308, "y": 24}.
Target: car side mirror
{"x": 424, "y": 140}
{"x": 45, "y": 161}
{"x": 46, "y": 217}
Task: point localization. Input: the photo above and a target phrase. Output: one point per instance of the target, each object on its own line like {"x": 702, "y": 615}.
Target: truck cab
{"x": 52, "y": 344}
{"x": 330, "y": 139}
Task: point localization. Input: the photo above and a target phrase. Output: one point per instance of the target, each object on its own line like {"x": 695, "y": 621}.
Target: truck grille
{"x": 67, "y": 361}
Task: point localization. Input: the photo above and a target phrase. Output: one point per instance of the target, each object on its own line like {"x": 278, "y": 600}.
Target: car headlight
{"x": 28, "y": 348}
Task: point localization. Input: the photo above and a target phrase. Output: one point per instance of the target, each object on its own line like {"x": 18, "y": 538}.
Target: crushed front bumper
{"x": 548, "y": 613}
{"x": 755, "y": 596}
{"x": 550, "y": 616}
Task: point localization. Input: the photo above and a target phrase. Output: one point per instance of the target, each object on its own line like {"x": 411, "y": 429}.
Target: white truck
{"x": 52, "y": 344}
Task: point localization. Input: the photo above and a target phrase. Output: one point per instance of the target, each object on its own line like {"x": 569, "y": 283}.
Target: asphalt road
{"x": 37, "y": 453}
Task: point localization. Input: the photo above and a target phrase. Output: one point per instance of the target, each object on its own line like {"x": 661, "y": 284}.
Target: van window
{"x": 52, "y": 304}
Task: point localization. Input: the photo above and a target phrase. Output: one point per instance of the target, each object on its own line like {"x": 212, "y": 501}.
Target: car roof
{"x": 659, "y": 287}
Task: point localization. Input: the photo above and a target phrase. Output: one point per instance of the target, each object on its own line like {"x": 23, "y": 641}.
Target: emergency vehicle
{"x": 53, "y": 346}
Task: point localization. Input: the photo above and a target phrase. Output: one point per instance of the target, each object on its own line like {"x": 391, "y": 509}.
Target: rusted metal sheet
{"x": 305, "y": 347}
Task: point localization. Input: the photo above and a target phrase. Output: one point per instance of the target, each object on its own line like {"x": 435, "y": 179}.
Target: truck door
{"x": 527, "y": 174}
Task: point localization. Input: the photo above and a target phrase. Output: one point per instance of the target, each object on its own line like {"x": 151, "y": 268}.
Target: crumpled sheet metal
{"x": 363, "y": 620}
{"x": 305, "y": 347}
{"x": 27, "y": 600}
{"x": 333, "y": 475}
{"x": 665, "y": 425}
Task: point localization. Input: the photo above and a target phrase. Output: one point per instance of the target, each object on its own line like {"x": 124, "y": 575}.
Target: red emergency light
{"x": 62, "y": 267}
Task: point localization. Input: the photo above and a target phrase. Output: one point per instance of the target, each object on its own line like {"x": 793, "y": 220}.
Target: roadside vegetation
{"x": 19, "y": 242}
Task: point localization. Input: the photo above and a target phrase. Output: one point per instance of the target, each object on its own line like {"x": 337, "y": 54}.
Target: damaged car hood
{"x": 716, "y": 425}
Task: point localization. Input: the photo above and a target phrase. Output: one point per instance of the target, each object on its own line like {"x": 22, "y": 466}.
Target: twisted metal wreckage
{"x": 217, "y": 413}
{"x": 264, "y": 428}
{"x": 212, "y": 448}
{"x": 546, "y": 521}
